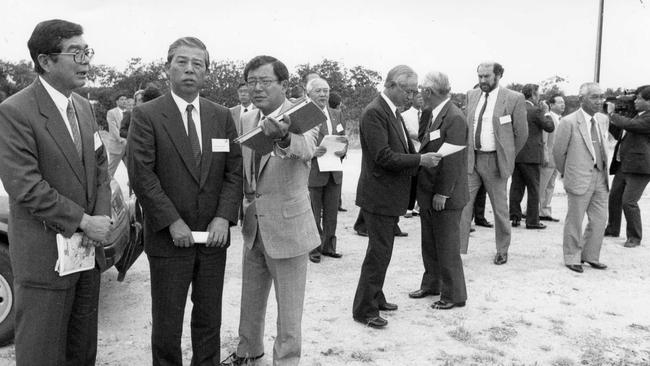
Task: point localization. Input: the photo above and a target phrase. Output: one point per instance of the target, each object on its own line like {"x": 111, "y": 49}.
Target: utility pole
{"x": 599, "y": 42}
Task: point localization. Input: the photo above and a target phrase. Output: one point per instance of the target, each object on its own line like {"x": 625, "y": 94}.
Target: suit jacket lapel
{"x": 173, "y": 124}
{"x": 209, "y": 124}
{"x": 435, "y": 125}
{"x": 394, "y": 122}
{"x": 248, "y": 124}
{"x": 87, "y": 130}
{"x": 499, "y": 106}
{"x": 583, "y": 126}
{"x": 57, "y": 128}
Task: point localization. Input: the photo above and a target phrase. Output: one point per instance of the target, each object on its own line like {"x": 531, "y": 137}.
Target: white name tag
{"x": 98, "y": 140}
{"x": 505, "y": 119}
{"x": 339, "y": 128}
{"x": 434, "y": 135}
{"x": 220, "y": 145}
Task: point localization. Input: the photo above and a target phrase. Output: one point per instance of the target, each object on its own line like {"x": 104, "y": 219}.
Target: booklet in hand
{"x": 304, "y": 115}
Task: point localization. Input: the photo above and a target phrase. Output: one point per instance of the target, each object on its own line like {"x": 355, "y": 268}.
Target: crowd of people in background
{"x": 190, "y": 176}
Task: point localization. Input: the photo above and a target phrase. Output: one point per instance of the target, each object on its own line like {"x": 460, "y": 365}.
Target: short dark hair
{"x": 119, "y": 94}
{"x": 191, "y": 42}
{"x": 279, "y": 69}
{"x": 335, "y": 100}
{"x": 150, "y": 93}
{"x": 551, "y": 99}
{"x": 528, "y": 90}
{"x": 47, "y": 38}
{"x": 496, "y": 68}
{"x": 644, "y": 92}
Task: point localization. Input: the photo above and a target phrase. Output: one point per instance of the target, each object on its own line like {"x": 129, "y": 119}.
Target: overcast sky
{"x": 533, "y": 40}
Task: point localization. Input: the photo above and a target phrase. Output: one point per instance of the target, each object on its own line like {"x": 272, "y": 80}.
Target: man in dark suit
{"x": 54, "y": 170}
{"x": 631, "y": 165}
{"x": 442, "y": 193}
{"x": 187, "y": 173}
{"x": 529, "y": 160}
{"x": 496, "y": 118}
{"x": 388, "y": 161}
{"x": 325, "y": 187}
{"x": 244, "y": 105}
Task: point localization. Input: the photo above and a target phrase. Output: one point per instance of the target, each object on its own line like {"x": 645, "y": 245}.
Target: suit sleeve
{"x": 639, "y": 124}
{"x": 231, "y": 193}
{"x": 22, "y": 178}
{"x": 561, "y": 145}
{"x": 520, "y": 123}
{"x": 374, "y": 131}
{"x": 544, "y": 122}
{"x": 449, "y": 173}
{"x": 160, "y": 209}
{"x": 301, "y": 146}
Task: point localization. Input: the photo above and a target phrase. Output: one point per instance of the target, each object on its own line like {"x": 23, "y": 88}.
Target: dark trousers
{"x": 525, "y": 177}
{"x": 479, "y": 204}
{"x": 443, "y": 267}
{"x": 369, "y": 294}
{"x": 57, "y": 327}
{"x": 170, "y": 281}
{"x": 324, "y": 204}
{"x": 624, "y": 196}
{"x": 360, "y": 224}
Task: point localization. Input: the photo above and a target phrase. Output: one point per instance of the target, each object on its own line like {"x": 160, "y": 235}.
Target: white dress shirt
{"x": 488, "y": 140}
{"x": 196, "y": 114}
{"x": 61, "y": 102}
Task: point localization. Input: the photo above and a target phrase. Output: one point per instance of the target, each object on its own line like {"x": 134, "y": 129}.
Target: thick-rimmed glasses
{"x": 252, "y": 83}
{"x": 79, "y": 56}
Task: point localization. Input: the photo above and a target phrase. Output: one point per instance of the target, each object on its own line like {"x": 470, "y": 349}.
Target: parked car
{"x": 122, "y": 249}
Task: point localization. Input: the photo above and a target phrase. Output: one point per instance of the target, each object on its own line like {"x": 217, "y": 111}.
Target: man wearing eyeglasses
{"x": 388, "y": 162}
{"x": 278, "y": 228}
{"x": 187, "y": 173}
{"x": 54, "y": 169}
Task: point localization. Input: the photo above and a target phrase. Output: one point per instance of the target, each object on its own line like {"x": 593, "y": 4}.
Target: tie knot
{"x": 189, "y": 108}
{"x": 487, "y": 94}
{"x": 70, "y": 108}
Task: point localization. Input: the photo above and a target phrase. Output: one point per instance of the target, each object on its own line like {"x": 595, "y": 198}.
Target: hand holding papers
{"x": 73, "y": 257}
{"x": 448, "y": 149}
{"x": 329, "y": 161}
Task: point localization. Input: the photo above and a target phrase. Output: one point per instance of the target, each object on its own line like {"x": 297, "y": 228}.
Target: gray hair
{"x": 584, "y": 88}
{"x": 437, "y": 82}
{"x": 396, "y": 73}
{"x": 310, "y": 84}
{"x": 191, "y": 42}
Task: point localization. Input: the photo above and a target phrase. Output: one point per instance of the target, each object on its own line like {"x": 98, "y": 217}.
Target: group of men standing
{"x": 190, "y": 176}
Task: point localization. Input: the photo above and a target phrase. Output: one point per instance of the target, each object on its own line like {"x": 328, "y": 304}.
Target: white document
{"x": 330, "y": 162}
{"x": 97, "y": 140}
{"x": 73, "y": 257}
{"x": 448, "y": 149}
{"x": 220, "y": 145}
{"x": 200, "y": 237}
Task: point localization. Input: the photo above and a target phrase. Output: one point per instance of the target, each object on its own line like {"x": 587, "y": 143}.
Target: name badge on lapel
{"x": 505, "y": 119}
{"x": 97, "y": 141}
{"x": 339, "y": 128}
{"x": 220, "y": 145}
{"x": 434, "y": 135}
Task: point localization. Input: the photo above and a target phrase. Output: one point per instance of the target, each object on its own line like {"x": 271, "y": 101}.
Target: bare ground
{"x": 531, "y": 311}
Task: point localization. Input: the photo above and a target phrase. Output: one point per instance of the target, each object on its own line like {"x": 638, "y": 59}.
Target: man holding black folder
{"x": 278, "y": 226}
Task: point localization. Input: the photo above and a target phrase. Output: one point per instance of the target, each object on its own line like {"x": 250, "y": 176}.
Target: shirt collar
{"x": 392, "y": 106}
{"x": 60, "y": 100}
{"x": 182, "y": 104}
{"x": 587, "y": 116}
{"x": 436, "y": 111}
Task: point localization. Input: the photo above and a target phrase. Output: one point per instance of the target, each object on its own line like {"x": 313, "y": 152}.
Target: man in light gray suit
{"x": 581, "y": 158}
{"x": 548, "y": 173}
{"x": 498, "y": 129}
{"x": 279, "y": 228}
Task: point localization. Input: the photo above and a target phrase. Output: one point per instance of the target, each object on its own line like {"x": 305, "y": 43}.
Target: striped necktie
{"x": 74, "y": 126}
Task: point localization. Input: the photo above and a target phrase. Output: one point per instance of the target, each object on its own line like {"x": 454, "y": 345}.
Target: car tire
{"x": 7, "y": 303}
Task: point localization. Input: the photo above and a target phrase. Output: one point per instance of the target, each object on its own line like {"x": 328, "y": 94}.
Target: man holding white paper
{"x": 187, "y": 173}
{"x": 326, "y": 175}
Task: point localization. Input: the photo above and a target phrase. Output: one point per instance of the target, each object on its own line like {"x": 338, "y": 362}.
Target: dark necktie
{"x": 193, "y": 135}
{"x": 258, "y": 159}
{"x": 245, "y": 110}
{"x": 598, "y": 150}
{"x": 479, "y": 123}
{"x": 74, "y": 126}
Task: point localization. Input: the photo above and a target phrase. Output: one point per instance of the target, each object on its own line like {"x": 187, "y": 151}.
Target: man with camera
{"x": 631, "y": 165}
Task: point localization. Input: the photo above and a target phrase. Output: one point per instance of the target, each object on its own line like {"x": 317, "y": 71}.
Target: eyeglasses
{"x": 263, "y": 82}
{"x": 407, "y": 91}
{"x": 79, "y": 56}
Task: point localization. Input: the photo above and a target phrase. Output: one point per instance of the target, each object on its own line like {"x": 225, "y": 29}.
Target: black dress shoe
{"x": 341, "y": 209}
{"x": 548, "y": 218}
{"x": 332, "y": 254}
{"x": 234, "y": 360}
{"x": 611, "y": 234}
{"x": 418, "y": 294}
{"x": 387, "y": 306}
{"x": 362, "y": 233}
{"x": 376, "y": 322}
{"x": 596, "y": 265}
{"x": 536, "y": 226}
{"x": 500, "y": 259}
{"x": 483, "y": 222}
{"x": 401, "y": 233}
{"x": 516, "y": 222}
{"x": 471, "y": 230}
{"x": 314, "y": 258}
{"x": 631, "y": 244}
{"x": 443, "y": 305}
{"x": 575, "y": 267}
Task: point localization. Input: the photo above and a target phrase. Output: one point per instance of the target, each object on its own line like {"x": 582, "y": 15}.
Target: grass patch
{"x": 361, "y": 356}
{"x": 640, "y": 327}
{"x": 563, "y": 361}
{"x": 502, "y": 334}
{"x": 461, "y": 334}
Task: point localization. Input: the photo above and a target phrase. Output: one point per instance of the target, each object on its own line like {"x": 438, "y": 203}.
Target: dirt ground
{"x": 531, "y": 311}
